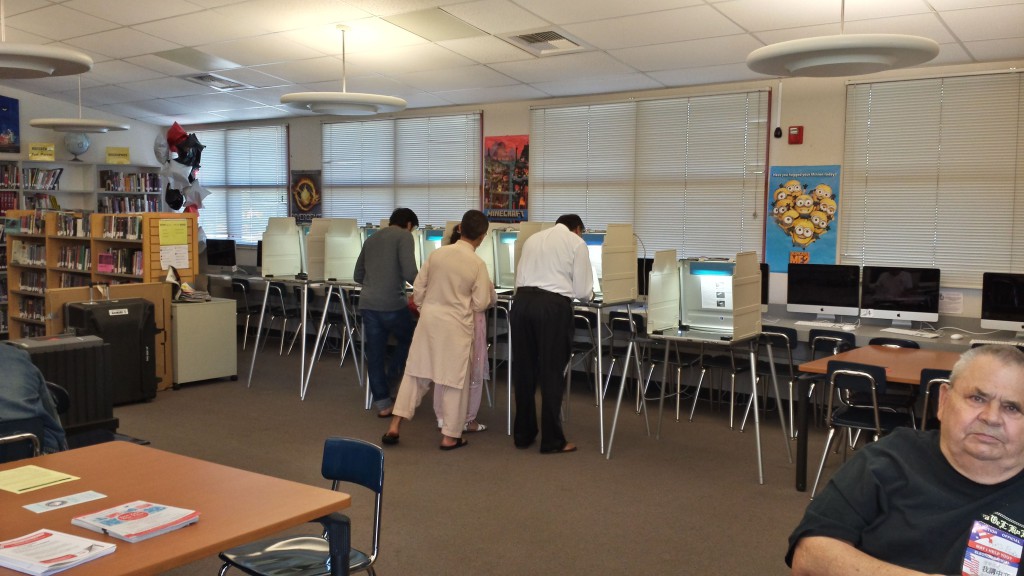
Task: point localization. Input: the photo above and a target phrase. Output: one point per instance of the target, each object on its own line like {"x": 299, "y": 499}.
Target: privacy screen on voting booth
{"x": 714, "y": 296}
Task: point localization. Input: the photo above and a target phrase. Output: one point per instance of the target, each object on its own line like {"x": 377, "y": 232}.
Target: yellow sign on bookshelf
{"x": 42, "y": 151}
{"x": 118, "y": 155}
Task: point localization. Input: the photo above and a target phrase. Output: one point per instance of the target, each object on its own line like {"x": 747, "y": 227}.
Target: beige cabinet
{"x": 204, "y": 340}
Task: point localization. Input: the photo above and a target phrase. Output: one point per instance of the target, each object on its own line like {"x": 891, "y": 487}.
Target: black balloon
{"x": 189, "y": 151}
{"x": 174, "y": 198}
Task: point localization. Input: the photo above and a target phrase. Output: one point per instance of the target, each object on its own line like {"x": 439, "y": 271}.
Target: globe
{"x": 76, "y": 143}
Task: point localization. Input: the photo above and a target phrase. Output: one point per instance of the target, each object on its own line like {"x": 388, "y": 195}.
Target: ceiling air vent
{"x": 216, "y": 82}
{"x": 547, "y": 42}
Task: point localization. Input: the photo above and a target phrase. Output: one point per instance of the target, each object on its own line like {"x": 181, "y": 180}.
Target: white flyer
{"x": 64, "y": 501}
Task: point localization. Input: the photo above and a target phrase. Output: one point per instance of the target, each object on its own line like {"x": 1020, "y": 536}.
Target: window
{"x": 246, "y": 172}
{"x": 687, "y": 173}
{"x": 933, "y": 176}
{"x": 431, "y": 165}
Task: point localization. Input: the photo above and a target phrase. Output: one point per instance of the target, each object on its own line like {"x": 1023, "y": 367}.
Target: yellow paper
{"x": 173, "y": 232}
{"x": 41, "y": 151}
{"x": 28, "y": 478}
{"x": 118, "y": 155}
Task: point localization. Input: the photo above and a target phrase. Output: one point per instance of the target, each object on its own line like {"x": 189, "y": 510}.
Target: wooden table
{"x": 235, "y": 506}
{"x": 902, "y": 365}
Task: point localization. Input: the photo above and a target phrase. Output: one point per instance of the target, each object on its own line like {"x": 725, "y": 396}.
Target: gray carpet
{"x": 688, "y": 503}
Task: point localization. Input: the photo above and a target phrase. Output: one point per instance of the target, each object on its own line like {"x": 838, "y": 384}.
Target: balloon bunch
{"x": 179, "y": 154}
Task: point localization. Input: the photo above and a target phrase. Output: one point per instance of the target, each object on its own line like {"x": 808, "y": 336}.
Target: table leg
{"x": 316, "y": 343}
{"x": 259, "y": 329}
{"x": 664, "y": 382}
{"x": 802, "y": 386}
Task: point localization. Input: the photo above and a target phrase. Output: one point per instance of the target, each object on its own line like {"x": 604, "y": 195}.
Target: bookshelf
{"x": 108, "y": 188}
{"x": 64, "y": 249}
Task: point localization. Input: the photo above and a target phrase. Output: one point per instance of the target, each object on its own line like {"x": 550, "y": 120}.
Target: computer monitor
{"x": 259, "y": 253}
{"x": 1002, "y": 302}
{"x": 504, "y": 248}
{"x": 827, "y": 290}
{"x": 431, "y": 239}
{"x": 283, "y": 248}
{"x": 595, "y": 245}
{"x": 765, "y": 279}
{"x": 220, "y": 252}
{"x": 900, "y": 294}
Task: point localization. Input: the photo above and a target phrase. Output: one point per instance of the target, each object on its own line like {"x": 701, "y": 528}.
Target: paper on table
{"x": 27, "y": 478}
{"x": 64, "y": 501}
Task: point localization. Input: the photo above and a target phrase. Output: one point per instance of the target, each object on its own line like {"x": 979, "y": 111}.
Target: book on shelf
{"x": 46, "y": 552}
{"x": 138, "y": 520}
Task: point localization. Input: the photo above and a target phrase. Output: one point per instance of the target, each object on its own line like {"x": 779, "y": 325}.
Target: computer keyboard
{"x": 819, "y": 324}
{"x": 915, "y": 333}
{"x": 979, "y": 342}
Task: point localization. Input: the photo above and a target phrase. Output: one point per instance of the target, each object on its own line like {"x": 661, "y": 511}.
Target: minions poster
{"x": 802, "y": 216}
{"x": 304, "y": 196}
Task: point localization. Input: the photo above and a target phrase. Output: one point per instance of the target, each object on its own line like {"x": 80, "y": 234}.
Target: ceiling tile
{"x": 110, "y": 94}
{"x": 460, "y": 78}
{"x": 598, "y": 84}
{"x": 654, "y": 28}
{"x": 486, "y": 50}
{"x": 408, "y": 59}
{"x": 283, "y": 15}
{"x": 987, "y": 23}
{"x": 554, "y": 68}
{"x": 496, "y": 16}
{"x": 304, "y": 71}
{"x": 264, "y": 49}
{"x": 166, "y": 87}
{"x": 927, "y": 25}
{"x": 199, "y": 28}
{"x": 121, "y": 43}
{"x": 129, "y": 12}
{"x": 695, "y": 53}
{"x": 58, "y": 22}
{"x": 119, "y": 71}
{"x": 995, "y": 50}
{"x": 571, "y": 11}
{"x": 496, "y": 94}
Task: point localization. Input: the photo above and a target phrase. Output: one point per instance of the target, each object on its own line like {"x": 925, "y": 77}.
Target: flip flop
{"x": 564, "y": 449}
{"x": 459, "y": 444}
{"x": 479, "y": 427}
{"x": 389, "y": 439}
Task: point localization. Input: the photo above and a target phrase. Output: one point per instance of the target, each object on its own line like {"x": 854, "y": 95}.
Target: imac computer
{"x": 1002, "y": 302}
{"x": 342, "y": 245}
{"x": 259, "y": 253}
{"x": 765, "y": 279}
{"x": 220, "y": 253}
{"x": 828, "y": 290}
{"x": 900, "y": 294}
{"x": 643, "y": 275}
{"x": 283, "y": 252}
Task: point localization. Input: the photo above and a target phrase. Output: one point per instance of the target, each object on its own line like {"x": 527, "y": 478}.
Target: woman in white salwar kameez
{"x": 452, "y": 285}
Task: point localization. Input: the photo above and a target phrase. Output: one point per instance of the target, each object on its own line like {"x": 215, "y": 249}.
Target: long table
{"x": 235, "y": 506}
{"x": 902, "y": 365}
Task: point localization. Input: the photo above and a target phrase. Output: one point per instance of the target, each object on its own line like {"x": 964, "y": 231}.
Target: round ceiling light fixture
{"x": 843, "y": 55}
{"x": 343, "y": 103}
{"x": 29, "y": 61}
{"x": 79, "y": 125}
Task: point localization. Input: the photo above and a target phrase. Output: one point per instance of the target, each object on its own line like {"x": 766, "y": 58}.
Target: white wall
{"x": 139, "y": 139}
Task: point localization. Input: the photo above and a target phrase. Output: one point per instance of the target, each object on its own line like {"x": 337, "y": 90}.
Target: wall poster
{"x": 304, "y": 201}
{"x": 802, "y": 217}
{"x": 506, "y": 178}
{"x": 10, "y": 129}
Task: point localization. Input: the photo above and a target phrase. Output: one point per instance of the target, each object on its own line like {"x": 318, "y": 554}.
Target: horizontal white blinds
{"x": 431, "y": 165}
{"x": 688, "y": 173}
{"x": 246, "y": 172}
{"x": 934, "y": 176}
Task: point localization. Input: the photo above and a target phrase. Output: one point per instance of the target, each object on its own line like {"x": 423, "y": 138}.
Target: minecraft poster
{"x": 10, "y": 128}
{"x": 506, "y": 178}
{"x": 802, "y": 216}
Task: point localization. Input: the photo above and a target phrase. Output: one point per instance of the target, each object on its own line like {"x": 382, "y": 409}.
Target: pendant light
{"x": 79, "y": 125}
{"x": 27, "y": 61}
{"x": 843, "y": 54}
{"x": 343, "y": 103}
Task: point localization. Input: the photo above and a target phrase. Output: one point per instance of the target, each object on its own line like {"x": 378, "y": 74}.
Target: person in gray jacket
{"x": 386, "y": 263}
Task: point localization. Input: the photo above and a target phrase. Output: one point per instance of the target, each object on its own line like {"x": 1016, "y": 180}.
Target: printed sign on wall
{"x": 802, "y": 216}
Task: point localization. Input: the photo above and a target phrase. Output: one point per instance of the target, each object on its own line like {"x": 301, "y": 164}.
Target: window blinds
{"x": 933, "y": 175}
{"x": 246, "y": 172}
{"x": 431, "y": 165}
{"x": 688, "y": 173}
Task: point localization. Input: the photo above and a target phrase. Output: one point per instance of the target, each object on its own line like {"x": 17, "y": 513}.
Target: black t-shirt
{"x": 901, "y": 502}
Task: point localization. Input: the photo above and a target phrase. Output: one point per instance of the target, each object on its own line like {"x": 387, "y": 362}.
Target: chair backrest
{"x": 240, "y": 288}
{"x": 584, "y": 320}
{"x": 893, "y": 342}
{"x": 20, "y": 439}
{"x": 856, "y": 377}
{"x": 829, "y": 342}
{"x": 356, "y": 462}
{"x": 931, "y": 378}
{"x": 780, "y": 337}
{"x": 619, "y": 321}
{"x": 61, "y": 398}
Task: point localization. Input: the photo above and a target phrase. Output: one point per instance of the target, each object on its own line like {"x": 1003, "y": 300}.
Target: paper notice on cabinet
{"x": 176, "y": 255}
